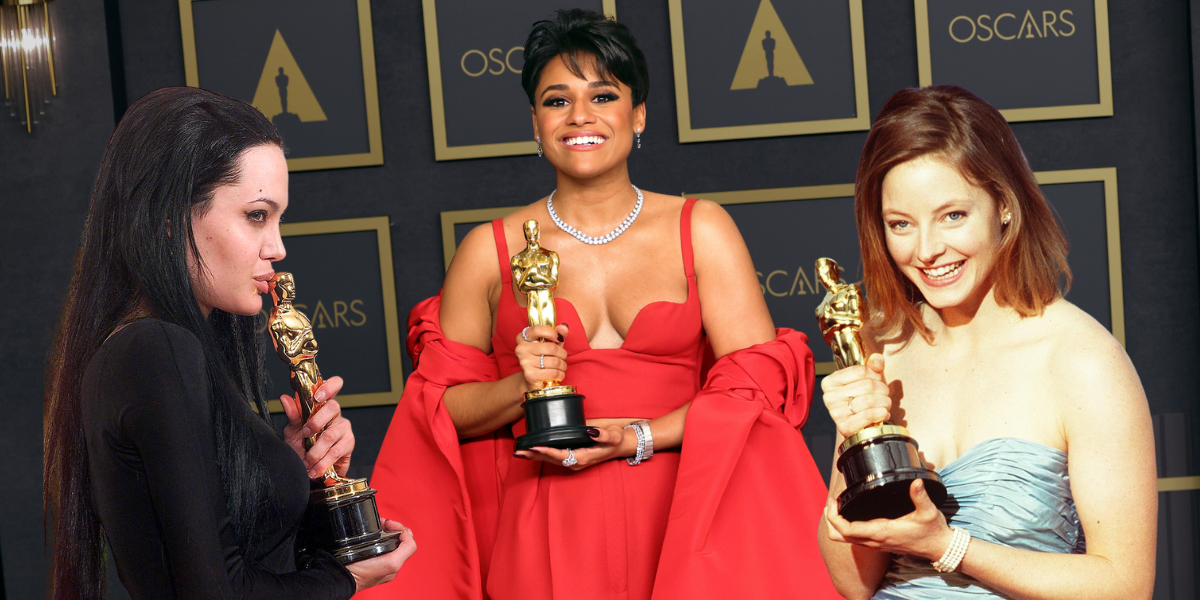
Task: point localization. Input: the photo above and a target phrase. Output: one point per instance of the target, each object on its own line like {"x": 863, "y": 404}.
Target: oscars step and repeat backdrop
{"x": 741, "y": 69}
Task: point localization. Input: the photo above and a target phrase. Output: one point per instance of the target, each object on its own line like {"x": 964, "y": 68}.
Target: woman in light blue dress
{"x": 1029, "y": 409}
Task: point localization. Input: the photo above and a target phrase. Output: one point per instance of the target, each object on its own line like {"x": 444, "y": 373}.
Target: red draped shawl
{"x": 747, "y": 500}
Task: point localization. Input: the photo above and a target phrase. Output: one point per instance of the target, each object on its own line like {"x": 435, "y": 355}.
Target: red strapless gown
{"x": 598, "y": 532}
{"x": 733, "y": 514}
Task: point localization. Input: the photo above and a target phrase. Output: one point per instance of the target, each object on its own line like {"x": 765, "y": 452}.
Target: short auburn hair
{"x": 951, "y": 124}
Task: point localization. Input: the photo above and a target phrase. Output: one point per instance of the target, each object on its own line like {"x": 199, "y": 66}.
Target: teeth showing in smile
{"x": 584, "y": 140}
{"x": 944, "y": 271}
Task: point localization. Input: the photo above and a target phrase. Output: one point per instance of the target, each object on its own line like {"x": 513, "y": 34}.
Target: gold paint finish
{"x": 350, "y": 487}
{"x": 550, "y": 392}
{"x": 535, "y": 272}
{"x": 292, "y": 337}
{"x": 870, "y": 433}
{"x": 840, "y": 315}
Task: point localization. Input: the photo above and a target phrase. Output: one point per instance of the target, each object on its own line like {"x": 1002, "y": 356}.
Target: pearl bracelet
{"x": 955, "y": 552}
{"x": 645, "y": 447}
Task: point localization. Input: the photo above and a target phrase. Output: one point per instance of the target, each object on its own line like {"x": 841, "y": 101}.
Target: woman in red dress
{"x": 722, "y": 506}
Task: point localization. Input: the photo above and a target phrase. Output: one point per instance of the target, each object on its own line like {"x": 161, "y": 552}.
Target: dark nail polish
{"x": 593, "y": 432}
{"x": 561, "y": 338}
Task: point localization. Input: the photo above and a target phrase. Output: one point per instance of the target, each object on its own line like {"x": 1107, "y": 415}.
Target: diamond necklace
{"x": 603, "y": 239}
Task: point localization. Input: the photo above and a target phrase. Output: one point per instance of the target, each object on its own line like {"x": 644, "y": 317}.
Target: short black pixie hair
{"x": 607, "y": 45}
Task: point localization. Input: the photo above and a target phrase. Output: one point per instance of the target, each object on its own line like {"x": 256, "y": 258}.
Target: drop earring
{"x": 638, "y": 134}
{"x": 539, "y": 142}
{"x": 1006, "y": 218}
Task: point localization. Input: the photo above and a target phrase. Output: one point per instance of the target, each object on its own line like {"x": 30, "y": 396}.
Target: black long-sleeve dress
{"x": 156, "y": 484}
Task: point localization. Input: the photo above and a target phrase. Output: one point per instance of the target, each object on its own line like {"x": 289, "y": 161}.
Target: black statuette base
{"x": 555, "y": 422}
{"x": 349, "y": 528}
{"x": 878, "y": 472}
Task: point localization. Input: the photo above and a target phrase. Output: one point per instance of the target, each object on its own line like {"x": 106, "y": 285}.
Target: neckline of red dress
{"x": 632, "y": 326}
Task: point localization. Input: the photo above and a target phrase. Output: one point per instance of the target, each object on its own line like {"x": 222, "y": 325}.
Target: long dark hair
{"x": 172, "y": 149}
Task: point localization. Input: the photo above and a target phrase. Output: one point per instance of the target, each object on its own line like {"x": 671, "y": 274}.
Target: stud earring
{"x": 638, "y": 134}
{"x": 1006, "y": 218}
{"x": 539, "y": 142}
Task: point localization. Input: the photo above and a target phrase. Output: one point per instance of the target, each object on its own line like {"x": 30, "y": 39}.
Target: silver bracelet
{"x": 645, "y": 447}
{"x": 641, "y": 446}
{"x": 649, "y": 451}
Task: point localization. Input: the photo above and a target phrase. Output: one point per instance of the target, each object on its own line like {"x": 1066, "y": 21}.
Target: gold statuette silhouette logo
{"x": 770, "y": 58}
{"x": 282, "y": 88}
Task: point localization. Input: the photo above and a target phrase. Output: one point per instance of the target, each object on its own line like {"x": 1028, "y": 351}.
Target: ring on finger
{"x": 542, "y": 361}
{"x": 850, "y": 405}
{"x": 570, "y": 461}
{"x": 523, "y": 331}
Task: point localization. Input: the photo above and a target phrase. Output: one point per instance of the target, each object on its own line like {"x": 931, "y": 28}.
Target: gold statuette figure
{"x": 342, "y": 518}
{"x": 535, "y": 271}
{"x": 840, "y": 315}
{"x": 879, "y": 462}
{"x": 553, "y": 412}
{"x": 293, "y": 339}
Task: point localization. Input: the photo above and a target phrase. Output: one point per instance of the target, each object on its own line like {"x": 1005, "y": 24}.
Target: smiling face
{"x": 238, "y": 235}
{"x": 942, "y": 231}
{"x": 587, "y": 126}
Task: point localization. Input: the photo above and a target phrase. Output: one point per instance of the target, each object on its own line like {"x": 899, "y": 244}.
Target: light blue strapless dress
{"x": 1006, "y": 491}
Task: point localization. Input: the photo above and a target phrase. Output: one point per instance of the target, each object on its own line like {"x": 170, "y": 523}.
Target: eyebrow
{"x": 559, "y": 87}
{"x": 273, "y": 204}
{"x": 943, "y": 206}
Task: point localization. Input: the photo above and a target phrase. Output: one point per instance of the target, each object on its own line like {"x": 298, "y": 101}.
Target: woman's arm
{"x": 732, "y": 306}
{"x": 856, "y": 570}
{"x": 469, "y": 297}
{"x": 734, "y": 315}
{"x": 1110, "y": 452}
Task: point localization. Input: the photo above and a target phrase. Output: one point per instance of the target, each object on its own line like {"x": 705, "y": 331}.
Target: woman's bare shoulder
{"x": 1086, "y": 365}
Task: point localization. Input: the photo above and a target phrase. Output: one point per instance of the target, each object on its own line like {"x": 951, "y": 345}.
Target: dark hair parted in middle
{"x": 601, "y": 44}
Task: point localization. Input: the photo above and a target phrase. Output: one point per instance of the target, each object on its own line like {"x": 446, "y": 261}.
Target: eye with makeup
{"x": 258, "y": 216}
{"x": 897, "y": 225}
{"x": 956, "y": 216}
{"x": 606, "y": 97}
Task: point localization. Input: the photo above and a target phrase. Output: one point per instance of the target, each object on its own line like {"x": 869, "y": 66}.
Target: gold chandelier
{"x": 27, "y": 53}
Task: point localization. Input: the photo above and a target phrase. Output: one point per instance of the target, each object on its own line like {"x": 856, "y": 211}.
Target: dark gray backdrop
{"x": 715, "y": 35}
{"x": 466, "y": 25}
{"x": 1027, "y": 71}
{"x": 47, "y": 177}
{"x": 232, "y": 41}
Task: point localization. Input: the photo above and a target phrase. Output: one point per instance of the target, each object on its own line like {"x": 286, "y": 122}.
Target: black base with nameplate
{"x": 878, "y": 472}
{"x": 555, "y": 421}
{"x": 349, "y": 528}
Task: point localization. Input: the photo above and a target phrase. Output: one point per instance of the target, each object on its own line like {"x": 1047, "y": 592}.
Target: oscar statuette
{"x": 342, "y": 518}
{"x": 553, "y": 412}
{"x": 879, "y": 462}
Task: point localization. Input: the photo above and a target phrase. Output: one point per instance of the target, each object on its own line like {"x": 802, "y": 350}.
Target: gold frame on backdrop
{"x": 687, "y": 134}
{"x": 1107, "y": 175}
{"x": 433, "y": 56}
{"x": 374, "y": 156}
{"x": 387, "y": 279}
{"x": 1039, "y": 113}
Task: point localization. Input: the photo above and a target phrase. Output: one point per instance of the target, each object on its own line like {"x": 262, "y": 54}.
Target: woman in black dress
{"x": 150, "y": 439}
